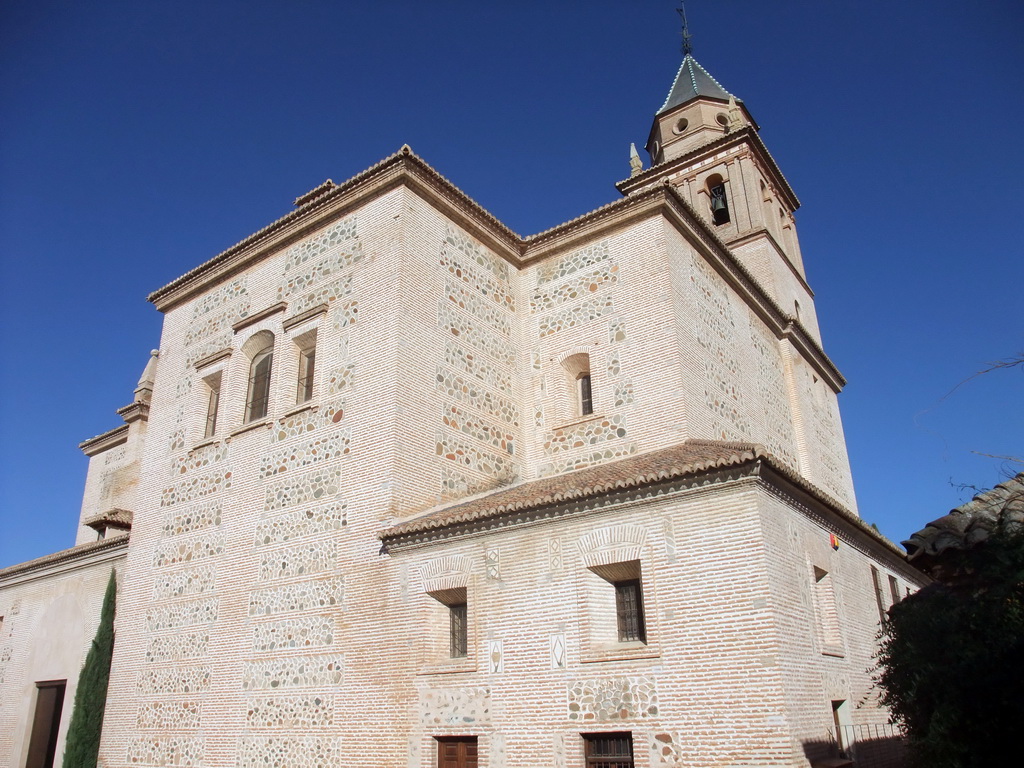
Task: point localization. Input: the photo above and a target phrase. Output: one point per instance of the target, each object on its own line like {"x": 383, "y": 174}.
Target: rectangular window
{"x": 212, "y": 405}
{"x": 629, "y": 611}
{"x": 894, "y": 590}
{"x": 876, "y": 581}
{"x": 42, "y": 745}
{"x": 456, "y": 751}
{"x": 307, "y": 367}
{"x": 586, "y": 395}
{"x": 458, "y": 626}
{"x": 608, "y": 750}
{"x": 827, "y": 611}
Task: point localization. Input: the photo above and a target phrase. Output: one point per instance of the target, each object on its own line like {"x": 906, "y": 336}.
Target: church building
{"x": 402, "y": 488}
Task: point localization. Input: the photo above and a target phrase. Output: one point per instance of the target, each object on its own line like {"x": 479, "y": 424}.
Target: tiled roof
{"x": 971, "y": 523}
{"x": 119, "y": 518}
{"x": 692, "y": 457}
{"x": 692, "y": 81}
{"x": 66, "y": 555}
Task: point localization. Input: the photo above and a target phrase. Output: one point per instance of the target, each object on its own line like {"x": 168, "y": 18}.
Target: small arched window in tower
{"x": 257, "y": 401}
{"x": 577, "y": 372}
{"x": 717, "y": 197}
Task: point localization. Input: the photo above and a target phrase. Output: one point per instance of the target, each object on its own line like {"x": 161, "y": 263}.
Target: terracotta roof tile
{"x": 689, "y": 458}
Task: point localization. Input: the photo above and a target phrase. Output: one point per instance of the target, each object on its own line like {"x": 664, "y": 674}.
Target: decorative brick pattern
{"x": 308, "y": 421}
{"x": 192, "y": 581}
{"x": 478, "y": 429}
{"x": 298, "y": 561}
{"x": 182, "y": 614}
{"x": 302, "y": 489}
{"x": 604, "y": 700}
{"x": 289, "y": 752}
{"x": 779, "y": 437}
{"x": 580, "y": 313}
{"x": 301, "y": 522}
{"x": 462, "y": 452}
{"x": 297, "y": 713}
{"x": 338, "y": 236}
{"x": 345, "y": 314}
{"x": 322, "y": 256}
{"x": 206, "y": 348}
{"x": 193, "y": 518}
{"x": 495, "y": 290}
{"x": 465, "y": 361}
{"x": 292, "y": 672}
{"x": 199, "y": 458}
{"x": 455, "y": 706}
{"x": 219, "y": 297}
{"x": 197, "y": 487}
{"x": 186, "y": 550}
{"x": 339, "y": 379}
{"x": 214, "y": 323}
{"x": 487, "y": 312}
{"x": 324, "y": 295}
{"x": 473, "y": 394}
{"x": 305, "y": 454}
{"x": 588, "y": 459}
{"x": 301, "y": 632}
{"x": 580, "y": 287}
{"x": 587, "y": 434}
{"x": 463, "y": 244}
{"x": 173, "y": 715}
{"x": 173, "y": 680}
{"x": 115, "y": 455}
{"x": 164, "y": 649}
{"x": 584, "y": 258}
{"x": 181, "y": 751}
{"x": 483, "y": 339}
{"x": 289, "y": 598}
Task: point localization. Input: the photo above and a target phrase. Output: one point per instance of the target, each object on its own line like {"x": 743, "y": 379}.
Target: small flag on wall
{"x": 834, "y": 541}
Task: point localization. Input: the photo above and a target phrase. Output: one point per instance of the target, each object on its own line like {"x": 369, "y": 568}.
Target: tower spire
{"x": 687, "y": 45}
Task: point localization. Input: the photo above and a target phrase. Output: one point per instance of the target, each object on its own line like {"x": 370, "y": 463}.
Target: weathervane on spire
{"x": 687, "y": 45}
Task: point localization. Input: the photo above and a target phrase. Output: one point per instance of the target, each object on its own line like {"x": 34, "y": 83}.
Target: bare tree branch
{"x": 995, "y": 365}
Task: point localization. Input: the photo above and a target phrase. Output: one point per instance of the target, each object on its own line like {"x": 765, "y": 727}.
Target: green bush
{"x": 952, "y": 659}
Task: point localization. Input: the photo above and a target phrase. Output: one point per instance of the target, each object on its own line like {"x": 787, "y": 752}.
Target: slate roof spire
{"x": 693, "y": 81}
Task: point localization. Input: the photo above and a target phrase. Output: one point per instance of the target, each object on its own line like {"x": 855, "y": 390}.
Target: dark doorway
{"x": 42, "y": 746}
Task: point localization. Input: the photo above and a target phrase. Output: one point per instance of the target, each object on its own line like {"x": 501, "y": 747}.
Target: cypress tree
{"x": 81, "y": 750}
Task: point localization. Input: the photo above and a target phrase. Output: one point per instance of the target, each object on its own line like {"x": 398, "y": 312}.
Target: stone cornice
{"x": 134, "y": 412}
{"x": 402, "y": 167}
{"x": 256, "y": 317}
{"x": 407, "y": 169}
{"x": 104, "y": 550}
{"x": 104, "y": 442}
{"x": 736, "y": 138}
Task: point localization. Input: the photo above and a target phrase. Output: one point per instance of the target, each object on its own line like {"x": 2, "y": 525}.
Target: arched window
{"x": 719, "y": 202}
{"x": 577, "y": 371}
{"x": 257, "y": 401}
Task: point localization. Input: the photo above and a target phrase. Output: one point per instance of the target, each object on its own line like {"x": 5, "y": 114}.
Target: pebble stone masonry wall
{"x": 263, "y": 626}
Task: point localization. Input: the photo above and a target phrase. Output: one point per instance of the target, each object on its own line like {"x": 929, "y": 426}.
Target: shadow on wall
{"x": 872, "y": 752}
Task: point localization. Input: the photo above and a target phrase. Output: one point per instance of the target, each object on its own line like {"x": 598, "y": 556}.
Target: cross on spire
{"x": 687, "y": 45}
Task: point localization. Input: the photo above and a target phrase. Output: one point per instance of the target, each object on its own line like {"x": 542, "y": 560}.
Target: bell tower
{"x": 705, "y": 143}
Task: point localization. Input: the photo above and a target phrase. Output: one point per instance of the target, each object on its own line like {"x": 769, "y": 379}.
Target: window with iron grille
{"x": 629, "y": 611}
{"x": 608, "y": 750}
{"x": 456, "y": 751}
{"x": 458, "y": 630}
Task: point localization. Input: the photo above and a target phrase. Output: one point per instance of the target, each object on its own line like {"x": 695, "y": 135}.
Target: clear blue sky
{"x": 138, "y": 139}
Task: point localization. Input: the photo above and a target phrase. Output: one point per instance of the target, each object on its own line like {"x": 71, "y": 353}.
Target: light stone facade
{"x": 283, "y": 600}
